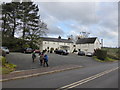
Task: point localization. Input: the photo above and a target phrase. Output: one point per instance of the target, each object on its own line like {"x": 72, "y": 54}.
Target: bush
{"x": 101, "y": 54}
{"x": 113, "y": 56}
{"x": 2, "y": 60}
{"x": 6, "y": 67}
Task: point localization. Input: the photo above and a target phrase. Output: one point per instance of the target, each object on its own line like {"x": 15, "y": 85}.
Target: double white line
{"x": 86, "y": 79}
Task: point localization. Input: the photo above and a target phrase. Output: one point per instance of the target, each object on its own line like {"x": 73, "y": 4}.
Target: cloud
{"x": 52, "y": 27}
{"x": 82, "y": 12}
{"x": 98, "y": 18}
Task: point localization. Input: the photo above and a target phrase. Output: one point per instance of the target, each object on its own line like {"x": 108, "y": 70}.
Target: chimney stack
{"x": 59, "y": 37}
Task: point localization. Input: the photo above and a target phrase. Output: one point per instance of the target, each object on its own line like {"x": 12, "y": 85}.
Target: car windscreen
{"x": 4, "y": 48}
{"x": 29, "y": 49}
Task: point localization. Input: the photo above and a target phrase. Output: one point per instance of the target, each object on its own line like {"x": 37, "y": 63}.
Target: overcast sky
{"x": 100, "y": 19}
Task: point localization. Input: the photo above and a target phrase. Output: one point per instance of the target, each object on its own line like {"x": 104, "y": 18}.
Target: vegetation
{"x": 101, "y": 54}
{"x": 112, "y": 55}
{"x": 6, "y": 67}
{"x": 107, "y": 59}
{"x": 21, "y": 19}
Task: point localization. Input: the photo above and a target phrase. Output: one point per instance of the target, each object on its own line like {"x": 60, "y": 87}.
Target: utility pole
{"x": 101, "y": 42}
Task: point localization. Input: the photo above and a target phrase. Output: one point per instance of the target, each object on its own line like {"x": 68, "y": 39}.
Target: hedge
{"x": 101, "y": 54}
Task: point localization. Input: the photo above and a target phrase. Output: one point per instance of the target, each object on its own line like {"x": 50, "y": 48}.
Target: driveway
{"x": 24, "y": 61}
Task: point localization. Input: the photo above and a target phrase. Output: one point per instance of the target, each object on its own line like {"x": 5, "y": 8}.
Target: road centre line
{"x": 86, "y": 79}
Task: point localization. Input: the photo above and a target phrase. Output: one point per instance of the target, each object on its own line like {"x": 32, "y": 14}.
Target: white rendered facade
{"x": 87, "y": 47}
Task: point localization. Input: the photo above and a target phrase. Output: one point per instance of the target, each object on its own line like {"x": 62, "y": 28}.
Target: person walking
{"x": 45, "y": 60}
{"x": 33, "y": 56}
{"x": 41, "y": 59}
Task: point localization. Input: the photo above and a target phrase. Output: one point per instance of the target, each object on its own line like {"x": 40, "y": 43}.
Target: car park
{"x": 81, "y": 53}
{"x": 5, "y": 49}
{"x": 90, "y": 54}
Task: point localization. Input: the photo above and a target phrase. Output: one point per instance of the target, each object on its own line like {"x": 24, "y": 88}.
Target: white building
{"x": 83, "y": 44}
{"x": 56, "y": 43}
{"x": 88, "y": 44}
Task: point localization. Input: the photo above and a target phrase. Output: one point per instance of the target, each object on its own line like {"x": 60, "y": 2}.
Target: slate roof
{"x": 86, "y": 40}
{"x": 56, "y": 40}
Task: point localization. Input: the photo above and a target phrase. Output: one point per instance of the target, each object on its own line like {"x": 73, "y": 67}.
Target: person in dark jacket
{"x": 33, "y": 56}
{"x": 45, "y": 60}
{"x": 41, "y": 58}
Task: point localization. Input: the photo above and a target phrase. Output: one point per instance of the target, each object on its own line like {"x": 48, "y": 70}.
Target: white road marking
{"x": 86, "y": 79}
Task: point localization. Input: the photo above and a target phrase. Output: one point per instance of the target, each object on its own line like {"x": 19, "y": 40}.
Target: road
{"x": 92, "y": 75}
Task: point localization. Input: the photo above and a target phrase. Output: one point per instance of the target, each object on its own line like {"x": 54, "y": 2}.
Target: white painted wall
{"x": 89, "y": 47}
{"x": 86, "y": 47}
{"x": 97, "y": 44}
{"x": 50, "y": 44}
{"x": 82, "y": 47}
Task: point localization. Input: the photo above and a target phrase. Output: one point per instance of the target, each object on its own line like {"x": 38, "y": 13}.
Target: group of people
{"x": 43, "y": 58}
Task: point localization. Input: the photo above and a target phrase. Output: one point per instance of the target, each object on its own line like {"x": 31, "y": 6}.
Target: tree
{"x": 9, "y": 18}
{"x": 32, "y": 26}
{"x": 14, "y": 17}
{"x": 22, "y": 17}
{"x": 6, "y": 8}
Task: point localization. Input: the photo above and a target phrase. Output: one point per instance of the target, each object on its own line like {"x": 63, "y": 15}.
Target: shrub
{"x": 101, "y": 54}
{"x": 2, "y": 60}
{"x": 113, "y": 56}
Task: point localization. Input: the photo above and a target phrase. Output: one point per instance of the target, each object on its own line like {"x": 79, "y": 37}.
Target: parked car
{"x": 5, "y": 49}
{"x": 27, "y": 50}
{"x": 3, "y": 53}
{"x": 89, "y": 54}
{"x": 61, "y": 52}
{"x": 56, "y": 51}
{"x": 81, "y": 53}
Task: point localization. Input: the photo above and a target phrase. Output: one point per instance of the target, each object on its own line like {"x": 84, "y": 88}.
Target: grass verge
{"x": 6, "y": 68}
{"x": 107, "y": 59}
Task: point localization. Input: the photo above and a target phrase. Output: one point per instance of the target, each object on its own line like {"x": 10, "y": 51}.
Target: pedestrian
{"x": 33, "y": 56}
{"x": 45, "y": 60}
{"x": 41, "y": 59}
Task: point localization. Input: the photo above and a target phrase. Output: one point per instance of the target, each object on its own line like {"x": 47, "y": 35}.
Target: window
{"x": 74, "y": 45}
{"x": 45, "y": 42}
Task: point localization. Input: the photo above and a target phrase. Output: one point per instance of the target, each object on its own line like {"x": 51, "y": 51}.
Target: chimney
{"x": 59, "y": 37}
{"x": 69, "y": 38}
{"x": 78, "y": 37}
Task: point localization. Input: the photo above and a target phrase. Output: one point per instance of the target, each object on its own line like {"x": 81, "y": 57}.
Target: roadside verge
{"x": 37, "y": 72}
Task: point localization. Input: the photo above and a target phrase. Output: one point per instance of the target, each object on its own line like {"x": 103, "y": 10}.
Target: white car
{"x": 89, "y": 54}
{"x": 5, "y": 49}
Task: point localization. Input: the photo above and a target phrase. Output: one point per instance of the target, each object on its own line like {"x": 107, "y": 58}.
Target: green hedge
{"x": 101, "y": 54}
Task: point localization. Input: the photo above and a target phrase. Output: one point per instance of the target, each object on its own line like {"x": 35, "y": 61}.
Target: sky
{"x": 100, "y": 19}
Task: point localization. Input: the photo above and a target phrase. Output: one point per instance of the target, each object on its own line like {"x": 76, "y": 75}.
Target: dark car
{"x": 27, "y": 50}
{"x": 61, "y": 52}
{"x": 81, "y": 53}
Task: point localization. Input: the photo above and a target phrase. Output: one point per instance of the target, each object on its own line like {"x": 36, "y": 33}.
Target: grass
{"x": 112, "y": 52}
{"x": 6, "y": 68}
{"x": 106, "y": 60}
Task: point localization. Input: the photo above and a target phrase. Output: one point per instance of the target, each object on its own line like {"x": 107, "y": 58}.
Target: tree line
{"x": 21, "y": 19}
